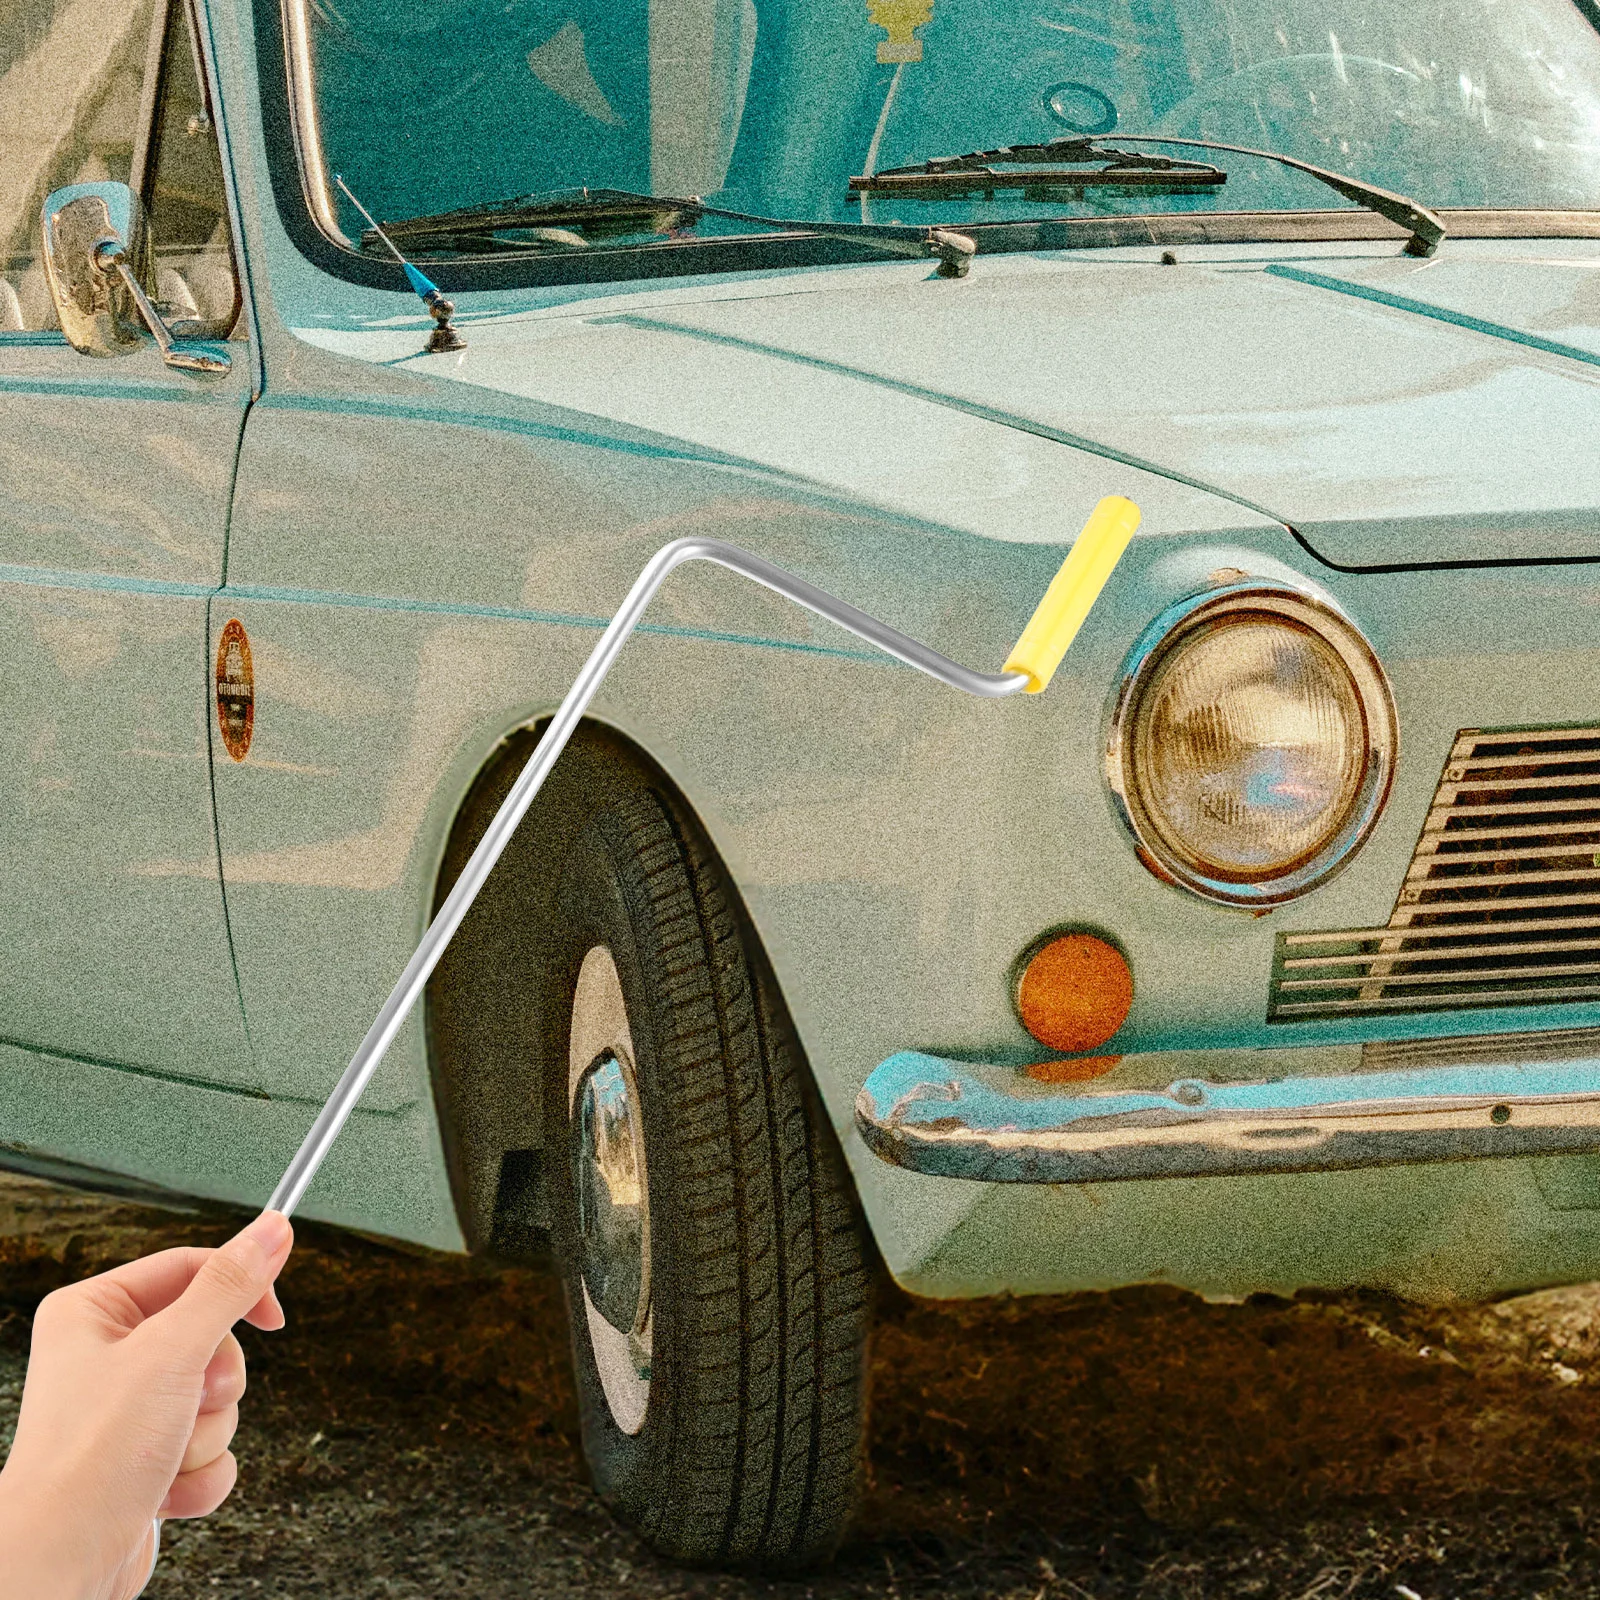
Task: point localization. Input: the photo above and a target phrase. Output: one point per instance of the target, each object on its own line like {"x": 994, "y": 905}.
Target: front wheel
{"x": 715, "y": 1267}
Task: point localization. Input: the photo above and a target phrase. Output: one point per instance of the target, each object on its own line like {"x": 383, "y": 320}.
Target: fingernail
{"x": 270, "y": 1232}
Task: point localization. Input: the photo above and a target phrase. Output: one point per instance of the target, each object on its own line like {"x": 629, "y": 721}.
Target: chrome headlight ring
{"x": 1192, "y": 620}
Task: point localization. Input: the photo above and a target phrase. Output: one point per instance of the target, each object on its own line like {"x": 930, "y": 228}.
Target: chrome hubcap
{"x": 608, "y": 1155}
{"x": 606, "y": 1136}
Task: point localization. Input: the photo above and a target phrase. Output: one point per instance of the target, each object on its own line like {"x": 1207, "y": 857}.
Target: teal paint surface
{"x": 151, "y": 1073}
{"x": 1442, "y": 1233}
{"x": 527, "y": 427}
{"x": 85, "y": 386}
{"x": 988, "y": 413}
{"x": 114, "y": 943}
{"x": 1371, "y": 435}
{"x": 222, "y": 1146}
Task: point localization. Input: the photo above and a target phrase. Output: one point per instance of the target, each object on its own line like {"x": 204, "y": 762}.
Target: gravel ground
{"x": 411, "y": 1434}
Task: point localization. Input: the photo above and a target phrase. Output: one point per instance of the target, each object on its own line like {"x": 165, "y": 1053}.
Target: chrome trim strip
{"x": 1474, "y": 975}
{"x": 1469, "y": 739}
{"x": 1440, "y": 930}
{"x": 1562, "y": 780}
{"x": 1452, "y": 953}
{"x": 1435, "y": 857}
{"x": 307, "y": 129}
{"x": 1470, "y": 906}
{"x": 1509, "y": 808}
{"x": 1516, "y": 830}
{"x": 1435, "y": 1002}
{"x": 994, "y": 1124}
{"x": 1470, "y": 882}
{"x": 1521, "y": 758}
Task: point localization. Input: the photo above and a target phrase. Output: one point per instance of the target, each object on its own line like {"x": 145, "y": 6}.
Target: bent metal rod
{"x": 1028, "y": 669}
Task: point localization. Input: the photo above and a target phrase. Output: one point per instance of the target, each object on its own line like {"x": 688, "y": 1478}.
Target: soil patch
{"x": 411, "y": 1434}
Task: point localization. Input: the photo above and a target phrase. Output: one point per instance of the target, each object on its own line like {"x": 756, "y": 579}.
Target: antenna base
{"x": 444, "y": 338}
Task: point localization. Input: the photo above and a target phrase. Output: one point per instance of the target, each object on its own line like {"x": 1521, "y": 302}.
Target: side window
{"x": 72, "y": 76}
{"x": 196, "y": 286}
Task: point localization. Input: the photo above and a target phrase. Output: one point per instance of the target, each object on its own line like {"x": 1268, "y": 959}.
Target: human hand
{"x": 131, "y": 1400}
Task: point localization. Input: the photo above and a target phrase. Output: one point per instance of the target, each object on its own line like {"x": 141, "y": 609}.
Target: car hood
{"x": 1393, "y": 412}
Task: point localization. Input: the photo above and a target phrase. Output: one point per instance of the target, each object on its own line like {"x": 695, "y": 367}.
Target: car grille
{"x": 1500, "y": 905}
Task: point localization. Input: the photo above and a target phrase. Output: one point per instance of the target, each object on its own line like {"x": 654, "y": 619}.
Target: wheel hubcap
{"x": 608, "y": 1155}
{"x": 606, "y": 1141}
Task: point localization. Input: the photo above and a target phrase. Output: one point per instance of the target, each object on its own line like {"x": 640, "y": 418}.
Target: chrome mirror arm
{"x": 111, "y": 257}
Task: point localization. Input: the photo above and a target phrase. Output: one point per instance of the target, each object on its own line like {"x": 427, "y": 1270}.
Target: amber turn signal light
{"x": 1074, "y": 992}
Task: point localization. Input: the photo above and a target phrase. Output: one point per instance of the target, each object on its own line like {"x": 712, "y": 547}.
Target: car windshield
{"x": 771, "y": 106}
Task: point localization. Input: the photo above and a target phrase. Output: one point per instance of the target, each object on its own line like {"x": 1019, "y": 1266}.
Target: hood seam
{"x": 973, "y": 408}
{"x": 1421, "y": 308}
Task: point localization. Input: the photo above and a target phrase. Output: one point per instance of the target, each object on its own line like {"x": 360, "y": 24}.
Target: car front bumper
{"x": 1219, "y": 1113}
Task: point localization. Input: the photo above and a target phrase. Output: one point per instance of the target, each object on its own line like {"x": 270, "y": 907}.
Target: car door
{"x": 115, "y": 478}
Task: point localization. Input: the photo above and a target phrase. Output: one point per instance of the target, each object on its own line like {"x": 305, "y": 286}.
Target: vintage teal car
{"x": 1261, "y": 952}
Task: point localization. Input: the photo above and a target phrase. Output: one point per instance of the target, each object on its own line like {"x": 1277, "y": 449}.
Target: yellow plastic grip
{"x": 1073, "y": 591}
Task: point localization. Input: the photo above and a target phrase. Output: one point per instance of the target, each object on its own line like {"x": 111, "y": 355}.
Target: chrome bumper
{"x": 1221, "y": 1113}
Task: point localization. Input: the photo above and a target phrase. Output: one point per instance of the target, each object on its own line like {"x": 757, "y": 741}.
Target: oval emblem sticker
{"x": 236, "y": 689}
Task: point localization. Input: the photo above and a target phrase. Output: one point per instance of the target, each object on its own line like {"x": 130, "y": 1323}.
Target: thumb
{"x": 231, "y": 1280}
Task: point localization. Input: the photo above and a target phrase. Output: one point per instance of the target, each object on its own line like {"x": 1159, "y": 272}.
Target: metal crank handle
{"x": 1028, "y": 669}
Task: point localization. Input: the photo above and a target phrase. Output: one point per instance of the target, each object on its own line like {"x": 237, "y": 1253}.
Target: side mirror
{"x": 96, "y": 251}
{"x": 98, "y": 315}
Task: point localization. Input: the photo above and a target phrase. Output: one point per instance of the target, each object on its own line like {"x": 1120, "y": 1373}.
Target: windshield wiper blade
{"x": 976, "y": 171}
{"x": 573, "y": 219}
{"x": 950, "y": 175}
{"x": 601, "y": 214}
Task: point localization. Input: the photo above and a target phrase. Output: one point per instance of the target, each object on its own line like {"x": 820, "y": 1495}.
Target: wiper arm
{"x": 1424, "y": 226}
{"x": 951, "y": 175}
{"x": 603, "y": 214}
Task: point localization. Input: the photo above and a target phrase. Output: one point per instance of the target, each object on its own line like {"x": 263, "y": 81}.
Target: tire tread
{"x": 771, "y": 1403}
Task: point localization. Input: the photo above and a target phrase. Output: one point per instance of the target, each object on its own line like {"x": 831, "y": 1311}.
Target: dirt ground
{"x": 411, "y": 1434}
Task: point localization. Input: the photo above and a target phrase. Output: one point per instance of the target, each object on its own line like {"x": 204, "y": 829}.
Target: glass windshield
{"x": 771, "y": 106}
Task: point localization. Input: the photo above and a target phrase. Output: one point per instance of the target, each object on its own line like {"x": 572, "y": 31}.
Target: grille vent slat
{"x": 1455, "y": 858}
{"x": 1429, "y": 954}
{"x": 1500, "y": 905}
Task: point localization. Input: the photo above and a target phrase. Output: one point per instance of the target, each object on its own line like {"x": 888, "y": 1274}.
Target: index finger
{"x": 154, "y": 1282}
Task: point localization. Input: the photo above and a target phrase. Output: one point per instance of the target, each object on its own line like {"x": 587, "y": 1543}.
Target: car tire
{"x": 716, "y": 1268}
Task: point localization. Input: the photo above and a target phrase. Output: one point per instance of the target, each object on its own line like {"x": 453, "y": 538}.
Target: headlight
{"x": 1252, "y": 743}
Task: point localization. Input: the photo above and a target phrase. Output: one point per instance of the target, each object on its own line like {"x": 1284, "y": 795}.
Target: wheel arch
{"x": 484, "y": 1016}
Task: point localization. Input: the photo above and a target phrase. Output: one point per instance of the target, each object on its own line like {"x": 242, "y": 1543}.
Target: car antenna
{"x": 444, "y": 337}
